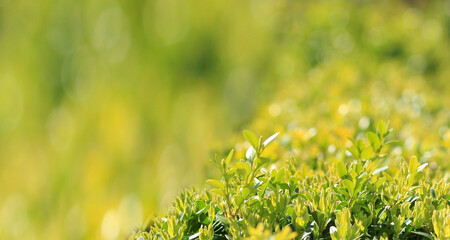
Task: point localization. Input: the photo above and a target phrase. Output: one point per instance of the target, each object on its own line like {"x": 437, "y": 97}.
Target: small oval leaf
{"x": 216, "y": 183}
{"x": 251, "y": 138}
{"x": 251, "y": 153}
{"x": 373, "y": 139}
{"x": 342, "y": 170}
{"x": 243, "y": 166}
{"x": 413, "y": 164}
{"x": 349, "y": 185}
{"x": 229, "y": 157}
{"x": 382, "y": 128}
{"x": 367, "y": 153}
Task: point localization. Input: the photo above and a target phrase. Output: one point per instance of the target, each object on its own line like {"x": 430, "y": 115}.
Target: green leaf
{"x": 367, "y": 153}
{"x": 423, "y": 234}
{"x": 421, "y": 167}
{"x": 415, "y": 177}
{"x": 262, "y": 161}
{"x": 217, "y": 191}
{"x": 418, "y": 176}
{"x": 216, "y": 183}
{"x": 251, "y": 138}
{"x": 353, "y": 151}
{"x": 433, "y": 193}
{"x": 391, "y": 142}
{"x": 251, "y": 153}
{"x": 382, "y": 128}
{"x": 447, "y": 197}
{"x": 230, "y": 172}
{"x": 359, "y": 145}
{"x": 378, "y": 170}
{"x": 238, "y": 200}
{"x": 216, "y": 162}
{"x": 373, "y": 139}
{"x": 270, "y": 139}
{"x": 246, "y": 191}
{"x": 362, "y": 175}
{"x": 243, "y": 166}
{"x": 413, "y": 164}
{"x": 349, "y": 185}
{"x": 229, "y": 157}
{"x": 342, "y": 170}
{"x": 223, "y": 220}
{"x": 280, "y": 175}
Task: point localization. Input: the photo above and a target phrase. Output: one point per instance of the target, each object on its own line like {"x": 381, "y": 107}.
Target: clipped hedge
{"x": 362, "y": 192}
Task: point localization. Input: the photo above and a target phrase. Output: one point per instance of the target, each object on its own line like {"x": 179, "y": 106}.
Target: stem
{"x": 253, "y": 170}
{"x": 227, "y": 193}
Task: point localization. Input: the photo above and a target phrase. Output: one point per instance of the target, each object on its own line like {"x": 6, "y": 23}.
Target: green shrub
{"x": 357, "y": 196}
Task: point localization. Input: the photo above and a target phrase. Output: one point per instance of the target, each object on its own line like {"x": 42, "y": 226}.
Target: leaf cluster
{"x": 258, "y": 198}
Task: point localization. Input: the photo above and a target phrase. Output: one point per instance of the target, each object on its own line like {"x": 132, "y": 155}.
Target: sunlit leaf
{"x": 270, "y": 139}
{"x": 243, "y": 166}
{"x": 354, "y": 151}
{"x": 251, "y": 153}
{"x": 373, "y": 139}
{"x": 251, "y": 138}
{"x": 422, "y": 167}
{"x": 349, "y": 185}
{"x": 367, "y": 154}
{"x": 378, "y": 170}
{"x": 342, "y": 170}
{"x": 229, "y": 157}
{"x": 382, "y": 128}
{"x": 413, "y": 164}
{"x": 222, "y": 220}
{"x": 217, "y": 191}
{"x": 216, "y": 183}
{"x": 238, "y": 200}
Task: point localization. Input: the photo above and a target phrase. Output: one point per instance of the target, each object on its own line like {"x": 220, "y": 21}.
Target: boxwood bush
{"x": 362, "y": 192}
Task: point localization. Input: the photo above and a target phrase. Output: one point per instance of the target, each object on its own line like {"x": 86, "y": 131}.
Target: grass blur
{"x": 109, "y": 108}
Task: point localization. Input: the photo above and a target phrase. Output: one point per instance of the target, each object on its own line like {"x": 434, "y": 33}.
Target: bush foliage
{"x": 360, "y": 193}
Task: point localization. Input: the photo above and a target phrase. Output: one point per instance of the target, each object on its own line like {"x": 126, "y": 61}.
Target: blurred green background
{"x": 109, "y": 108}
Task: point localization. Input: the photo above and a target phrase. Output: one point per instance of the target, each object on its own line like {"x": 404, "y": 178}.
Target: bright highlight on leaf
{"x": 378, "y": 170}
{"x": 270, "y": 139}
{"x": 251, "y": 153}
